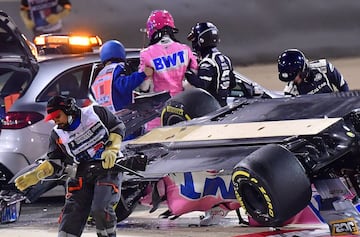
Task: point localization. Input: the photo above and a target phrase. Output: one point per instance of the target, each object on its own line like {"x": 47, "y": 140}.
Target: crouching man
{"x": 83, "y": 137}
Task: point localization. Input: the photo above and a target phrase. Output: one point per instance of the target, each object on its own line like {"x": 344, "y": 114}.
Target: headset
{"x": 70, "y": 106}
{"x": 59, "y": 102}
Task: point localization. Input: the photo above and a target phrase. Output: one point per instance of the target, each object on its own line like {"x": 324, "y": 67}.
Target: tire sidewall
{"x": 189, "y": 104}
{"x": 272, "y": 185}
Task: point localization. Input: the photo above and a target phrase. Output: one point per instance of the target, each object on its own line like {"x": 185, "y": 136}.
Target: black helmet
{"x": 290, "y": 63}
{"x": 203, "y": 35}
{"x": 57, "y": 103}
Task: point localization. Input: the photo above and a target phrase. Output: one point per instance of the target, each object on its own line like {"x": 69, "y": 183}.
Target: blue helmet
{"x": 112, "y": 49}
{"x": 290, "y": 63}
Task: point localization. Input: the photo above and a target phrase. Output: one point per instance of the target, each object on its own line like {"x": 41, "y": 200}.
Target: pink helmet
{"x": 157, "y": 20}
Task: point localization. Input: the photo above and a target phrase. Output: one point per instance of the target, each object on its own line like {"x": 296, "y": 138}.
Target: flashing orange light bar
{"x": 86, "y": 41}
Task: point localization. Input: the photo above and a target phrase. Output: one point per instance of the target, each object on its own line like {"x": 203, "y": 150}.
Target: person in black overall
{"x": 304, "y": 77}
{"x": 83, "y": 138}
{"x": 215, "y": 72}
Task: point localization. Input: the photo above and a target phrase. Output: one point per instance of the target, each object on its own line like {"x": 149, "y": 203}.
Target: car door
{"x": 15, "y": 48}
{"x": 18, "y": 63}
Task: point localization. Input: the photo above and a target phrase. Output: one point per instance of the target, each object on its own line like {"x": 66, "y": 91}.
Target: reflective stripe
{"x": 107, "y": 232}
{"x": 115, "y": 188}
{"x": 75, "y": 188}
{"x": 102, "y": 87}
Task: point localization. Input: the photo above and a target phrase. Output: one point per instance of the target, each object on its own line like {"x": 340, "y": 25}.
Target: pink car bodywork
{"x": 202, "y": 191}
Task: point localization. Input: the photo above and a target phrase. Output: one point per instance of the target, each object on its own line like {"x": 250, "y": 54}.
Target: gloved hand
{"x": 30, "y": 178}
{"x": 29, "y": 24}
{"x": 110, "y": 153}
{"x": 54, "y": 18}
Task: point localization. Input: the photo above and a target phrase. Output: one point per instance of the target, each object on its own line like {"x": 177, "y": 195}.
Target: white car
{"x": 27, "y": 82}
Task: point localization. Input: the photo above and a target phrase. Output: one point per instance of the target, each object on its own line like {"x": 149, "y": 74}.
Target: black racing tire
{"x": 271, "y": 184}
{"x": 192, "y": 103}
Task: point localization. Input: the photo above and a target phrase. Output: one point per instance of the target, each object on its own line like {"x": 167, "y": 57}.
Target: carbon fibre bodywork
{"x": 274, "y": 149}
{"x": 199, "y": 155}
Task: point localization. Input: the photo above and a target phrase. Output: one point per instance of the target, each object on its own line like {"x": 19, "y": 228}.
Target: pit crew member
{"x": 44, "y": 17}
{"x": 85, "y": 137}
{"x": 112, "y": 88}
{"x": 215, "y": 73}
{"x": 304, "y": 77}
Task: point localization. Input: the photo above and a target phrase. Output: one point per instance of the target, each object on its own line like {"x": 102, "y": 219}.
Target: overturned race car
{"x": 288, "y": 159}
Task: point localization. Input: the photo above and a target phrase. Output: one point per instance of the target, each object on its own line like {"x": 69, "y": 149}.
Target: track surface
{"x": 40, "y": 220}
